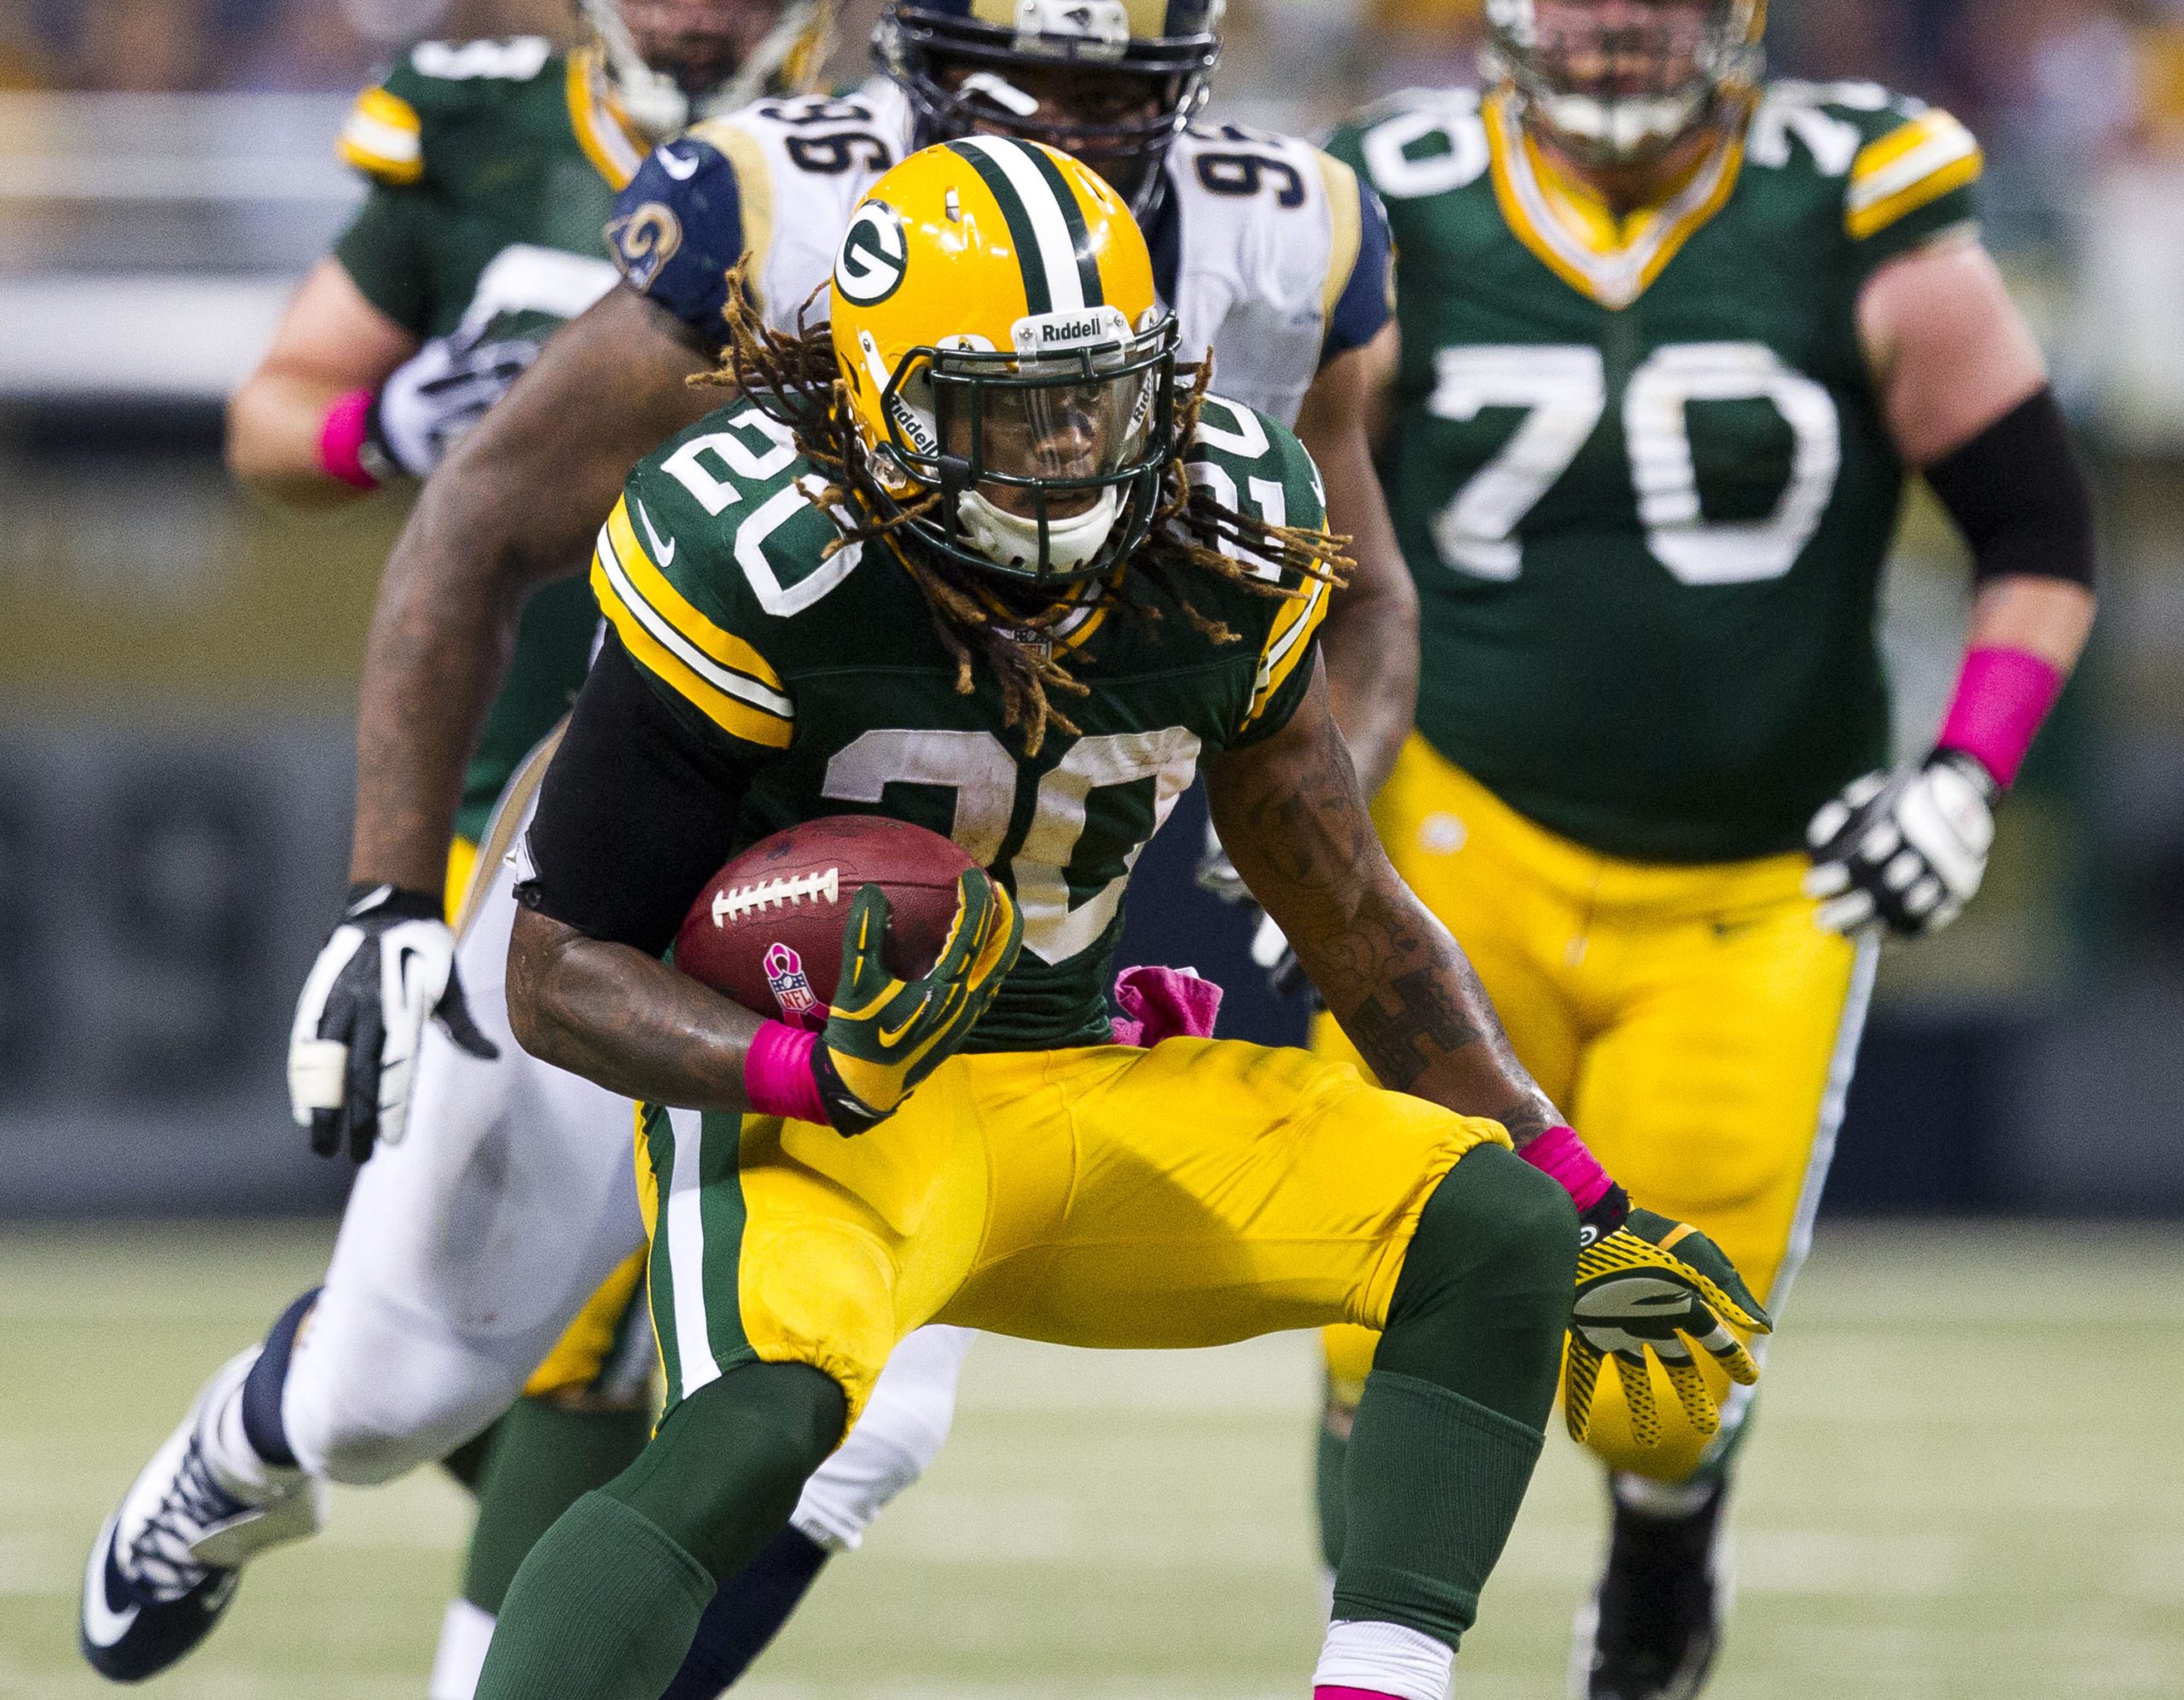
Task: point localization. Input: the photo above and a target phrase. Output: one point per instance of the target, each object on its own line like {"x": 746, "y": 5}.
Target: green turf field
{"x": 1969, "y": 1481}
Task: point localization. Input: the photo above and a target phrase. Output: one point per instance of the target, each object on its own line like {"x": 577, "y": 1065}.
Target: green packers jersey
{"x": 493, "y": 167}
{"x": 822, "y": 676}
{"x": 1639, "y": 468}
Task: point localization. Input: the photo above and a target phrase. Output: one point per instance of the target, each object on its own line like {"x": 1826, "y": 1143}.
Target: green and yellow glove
{"x": 885, "y": 1034}
{"x": 1647, "y": 1283}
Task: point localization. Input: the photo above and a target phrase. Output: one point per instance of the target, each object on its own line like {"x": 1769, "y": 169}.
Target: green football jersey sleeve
{"x": 1638, "y": 467}
{"x": 814, "y": 662}
{"x": 493, "y": 167}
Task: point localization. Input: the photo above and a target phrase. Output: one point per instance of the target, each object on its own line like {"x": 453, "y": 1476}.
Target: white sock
{"x": 1386, "y": 1658}
{"x": 466, "y": 1631}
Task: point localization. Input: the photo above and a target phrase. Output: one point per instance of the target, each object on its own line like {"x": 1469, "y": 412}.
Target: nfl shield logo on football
{"x": 792, "y": 988}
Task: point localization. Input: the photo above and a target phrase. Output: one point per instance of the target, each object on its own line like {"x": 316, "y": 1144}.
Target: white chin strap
{"x": 1009, "y": 540}
{"x": 1625, "y": 128}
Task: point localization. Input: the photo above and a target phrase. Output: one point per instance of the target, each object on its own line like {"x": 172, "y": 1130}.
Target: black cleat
{"x": 1652, "y": 1628}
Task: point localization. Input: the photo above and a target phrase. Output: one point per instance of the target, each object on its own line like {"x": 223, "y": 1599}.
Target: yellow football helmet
{"x": 1618, "y": 82}
{"x": 1010, "y": 370}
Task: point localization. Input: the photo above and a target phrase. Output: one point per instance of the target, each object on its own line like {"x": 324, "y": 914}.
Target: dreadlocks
{"x": 794, "y": 379}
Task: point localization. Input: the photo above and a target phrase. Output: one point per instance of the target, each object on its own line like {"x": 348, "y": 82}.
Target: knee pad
{"x": 1482, "y": 1303}
{"x": 366, "y": 1417}
{"x": 722, "y": 1476}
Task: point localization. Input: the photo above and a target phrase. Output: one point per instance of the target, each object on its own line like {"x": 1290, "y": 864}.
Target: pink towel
{"x": 1164, "y": 1003}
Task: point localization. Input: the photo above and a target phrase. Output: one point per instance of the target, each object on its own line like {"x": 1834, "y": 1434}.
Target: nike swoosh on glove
{"x": 1903, "y": 854}
{"x": 1647, "y": 1284}
{"x": 388, "y": 969}
{"x": 884, "y": 1034}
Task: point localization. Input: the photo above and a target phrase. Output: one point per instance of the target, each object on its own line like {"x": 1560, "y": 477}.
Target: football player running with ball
{"x": 1672, "y": 338}
{"x": 1273, "y": 261}
{"x": 965, "y": 556}
{"x": 493, "y": 167}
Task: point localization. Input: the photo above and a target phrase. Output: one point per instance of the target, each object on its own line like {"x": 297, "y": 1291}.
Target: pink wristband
{"x": 342, "y": 440}
{"x": 2002, "y": 696}
{"x": 1560, "y": 1154}
{"x": 777, "y": 1076}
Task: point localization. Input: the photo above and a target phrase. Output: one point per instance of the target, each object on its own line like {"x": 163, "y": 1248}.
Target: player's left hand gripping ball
{"x": 388, "y": 969}
{"x": 884, "y": 1033}
{"x": 1904, "y": 854}
{"x": 1646, "y": 1283}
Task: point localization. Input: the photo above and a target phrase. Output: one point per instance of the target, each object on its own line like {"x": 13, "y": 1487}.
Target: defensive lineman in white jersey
{"x": 469, "y": 1246}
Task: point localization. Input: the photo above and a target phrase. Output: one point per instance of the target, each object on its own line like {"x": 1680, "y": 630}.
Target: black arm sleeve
{"x": 637, "y": 813}
{"x": 2018, "y": 494}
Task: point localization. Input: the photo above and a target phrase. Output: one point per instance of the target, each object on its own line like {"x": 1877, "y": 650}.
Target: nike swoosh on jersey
{"x": 678, "y": 166}
{"x": 103, "y": 1625}
{"x": 663, "y": 550}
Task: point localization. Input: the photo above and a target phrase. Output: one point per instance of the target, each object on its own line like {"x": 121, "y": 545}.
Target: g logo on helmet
{"x": 643, "y": 241}
{"x": 874, "y": 254}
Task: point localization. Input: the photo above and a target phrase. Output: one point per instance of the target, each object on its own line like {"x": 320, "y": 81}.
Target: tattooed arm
{"x": 515, "y": 507}
{"x": 1289, "y": 809}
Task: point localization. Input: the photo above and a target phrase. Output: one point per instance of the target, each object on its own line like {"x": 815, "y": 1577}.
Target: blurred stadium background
{"x": 1972, "y": 1489}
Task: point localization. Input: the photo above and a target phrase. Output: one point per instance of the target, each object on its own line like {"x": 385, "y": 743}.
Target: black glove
{"x": 388, "y": 968}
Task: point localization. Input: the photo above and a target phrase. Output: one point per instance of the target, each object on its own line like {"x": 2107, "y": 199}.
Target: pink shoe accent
{"x": 777, "y": 1076}
{"x": 1164, "y": 1003}
{"x": 1561, "y": 1155}
{"x": 2002, "y": 697}
{"x": 342, "y": 440}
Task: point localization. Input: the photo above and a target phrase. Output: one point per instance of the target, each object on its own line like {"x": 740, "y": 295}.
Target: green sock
{"x": 603, "y": 1609}
{"x": 545, "y": 1455}
{"x": 1328, "y": 1465}
{"x": 1432, "y": 1489}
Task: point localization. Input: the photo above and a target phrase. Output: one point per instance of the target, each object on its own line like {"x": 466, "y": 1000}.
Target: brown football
{"x": 767, "y": 930}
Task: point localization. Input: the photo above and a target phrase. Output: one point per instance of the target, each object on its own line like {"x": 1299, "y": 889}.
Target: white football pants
{"x": 468, "y": 1249}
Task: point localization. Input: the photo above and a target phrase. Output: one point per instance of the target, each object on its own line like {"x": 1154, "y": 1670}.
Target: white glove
{"x": 1905, "y": 853}
{"x": 433, "y": 399}
{"x": 1270, "y": 949}
{"x": 387, "y": 970}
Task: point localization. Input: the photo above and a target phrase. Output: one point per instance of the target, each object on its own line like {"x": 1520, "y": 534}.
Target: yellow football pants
{"x": 1198, "y": 1192}
{"x": 1694, "y": 1022}
{"x": 588, "y": 1359}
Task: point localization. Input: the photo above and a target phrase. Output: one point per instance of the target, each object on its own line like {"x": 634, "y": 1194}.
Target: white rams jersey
{"x": 1272, "y": 258}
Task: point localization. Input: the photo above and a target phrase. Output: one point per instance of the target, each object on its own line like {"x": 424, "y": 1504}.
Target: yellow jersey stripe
{"x": 754, "y": 190}
{"x": 608, "y": 141}
{"x": 382, "y": 136}
{"x": 731, "y": 716}
{"x": 1346, "y": 229}
{"x": 1287, "y": 645}
{"x": 1906, "y": 169}
{"x": 723, "y": 659}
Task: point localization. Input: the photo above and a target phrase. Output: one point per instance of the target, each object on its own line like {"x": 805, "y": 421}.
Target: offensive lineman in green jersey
{"x": 969, "y": 555}
{"x": 1672, "y": 338}
{"x": 492, "y": 166}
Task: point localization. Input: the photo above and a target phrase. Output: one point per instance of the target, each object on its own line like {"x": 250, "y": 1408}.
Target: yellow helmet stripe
{"x": 1054, "y": 260}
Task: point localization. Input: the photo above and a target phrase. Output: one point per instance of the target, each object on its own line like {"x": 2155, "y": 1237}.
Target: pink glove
{"x": 1164, "y": 1003}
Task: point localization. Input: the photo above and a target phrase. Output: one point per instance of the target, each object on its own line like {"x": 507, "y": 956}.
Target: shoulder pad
{"x": 384, "y": 134}
{"x": 1254, "y": 464}
{"x": 715, "y": 548}
{"x": 1281, "y": 260}
{"x": 1418, "y": 143}
{"x": 1251, "y": 461}
{"x": 777, "y": 180}
{"x": 1894, "y": 155}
